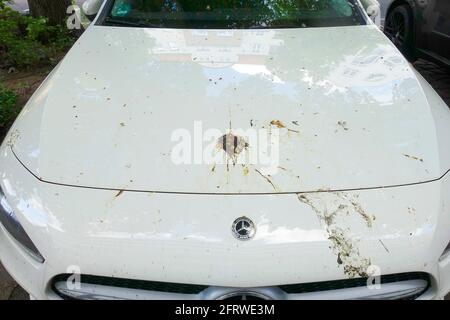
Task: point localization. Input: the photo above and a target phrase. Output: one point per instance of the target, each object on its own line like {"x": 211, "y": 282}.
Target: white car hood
{"x": 353, "y": 111}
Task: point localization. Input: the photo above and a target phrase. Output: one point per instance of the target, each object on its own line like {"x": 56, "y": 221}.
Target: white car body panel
{"x": 363, "y": 118}
{"x": 188, "y": 238}
{"x": 106, "y": 198}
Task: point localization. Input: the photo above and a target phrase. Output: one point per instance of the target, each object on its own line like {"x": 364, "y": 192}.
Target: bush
{"x": 7, "y": 106}
{"x": 26, "y": 41}
{"x": 3, "y": 3}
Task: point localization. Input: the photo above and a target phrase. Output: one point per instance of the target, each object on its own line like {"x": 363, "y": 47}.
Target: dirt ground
{"x": 24, "y": 84}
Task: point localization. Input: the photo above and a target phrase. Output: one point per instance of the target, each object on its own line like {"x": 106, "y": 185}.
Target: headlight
{"x": 12, "y": 225}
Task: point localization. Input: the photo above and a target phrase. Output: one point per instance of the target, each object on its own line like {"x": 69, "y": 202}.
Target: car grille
{"x": 351, "y": 283}
{"x": 404, "y": 285}
{"x": 136, "y": 284}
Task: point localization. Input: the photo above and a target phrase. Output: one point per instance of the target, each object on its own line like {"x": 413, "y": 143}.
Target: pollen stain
{"x": 343, "y": 125}
{"x": 333, "y": 209}
{"x": 232, "y": 145}
{"x": 280, "y": 125}
{"x": 413, "y": 157}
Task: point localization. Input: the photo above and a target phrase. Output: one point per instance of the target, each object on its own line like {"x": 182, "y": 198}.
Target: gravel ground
{"x": 9, "y": 289}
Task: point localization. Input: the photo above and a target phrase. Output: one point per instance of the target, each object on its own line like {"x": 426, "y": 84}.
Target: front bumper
{"x": 33, "y": 276}
{"x": 186, "y": 239}
{"x": 401, "y": 286}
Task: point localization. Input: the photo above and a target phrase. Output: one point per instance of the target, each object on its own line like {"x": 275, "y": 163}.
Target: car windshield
{"x": 234, "y": 14}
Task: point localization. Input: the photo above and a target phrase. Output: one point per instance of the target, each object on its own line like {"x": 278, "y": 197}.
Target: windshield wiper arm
{"x": 126, "y": 23}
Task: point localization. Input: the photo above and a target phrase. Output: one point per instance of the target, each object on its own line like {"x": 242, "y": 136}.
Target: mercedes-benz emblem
{"x": 243, "y": 228}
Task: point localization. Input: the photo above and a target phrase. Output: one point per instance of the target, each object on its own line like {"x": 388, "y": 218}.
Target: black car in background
{"x": 420, "y": 29}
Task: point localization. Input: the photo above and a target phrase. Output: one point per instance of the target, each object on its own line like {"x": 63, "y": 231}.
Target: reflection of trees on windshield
{"x": 239, "y": 13}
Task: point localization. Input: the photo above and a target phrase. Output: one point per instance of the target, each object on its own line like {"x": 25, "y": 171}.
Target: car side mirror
{"x": 91, "y": 8}
{"x": 372, "y": 8}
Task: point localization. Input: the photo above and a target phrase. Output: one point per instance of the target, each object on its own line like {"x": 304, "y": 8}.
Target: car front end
{"x": 181, "y": 246}
{"x": 129, "y": 174}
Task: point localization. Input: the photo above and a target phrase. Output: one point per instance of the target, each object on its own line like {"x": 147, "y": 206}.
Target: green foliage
{"x": 7, "y": 104}
{"x": 26, "y": 41}
{"x": 3, "y": 3}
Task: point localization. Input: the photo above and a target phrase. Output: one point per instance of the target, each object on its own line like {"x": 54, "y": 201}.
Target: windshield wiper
{"x": 126, "y": 23}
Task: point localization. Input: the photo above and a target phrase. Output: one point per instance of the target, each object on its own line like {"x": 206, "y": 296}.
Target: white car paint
{"x": 103, "y": 197}
{"x": 358, "y": 79}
